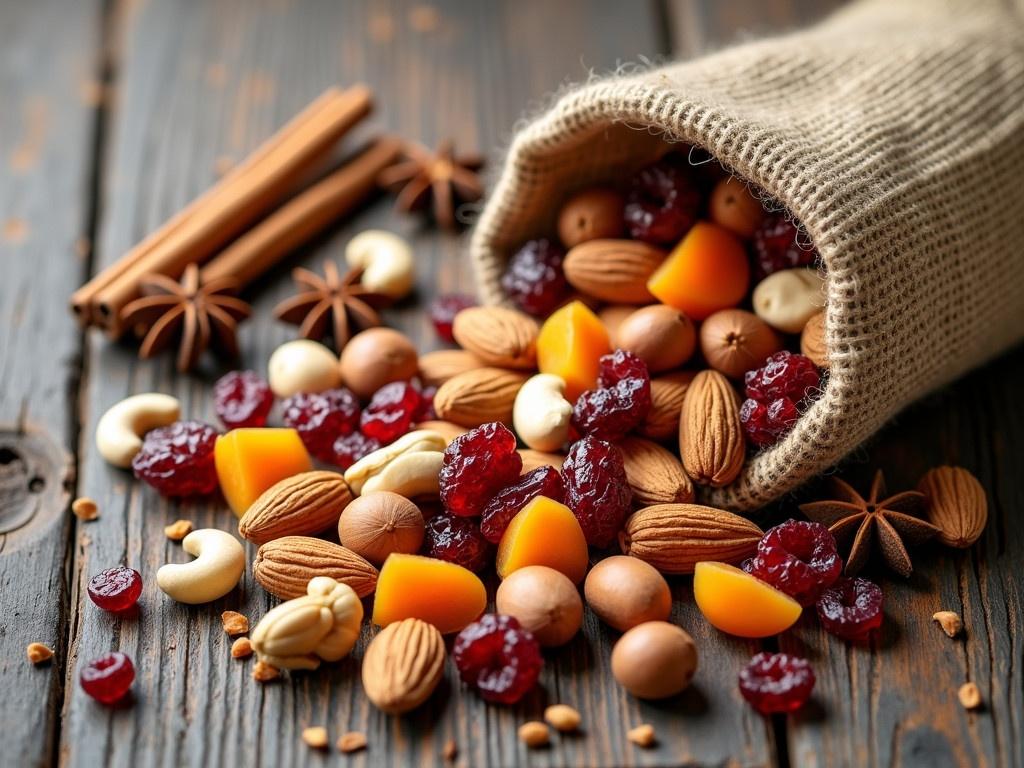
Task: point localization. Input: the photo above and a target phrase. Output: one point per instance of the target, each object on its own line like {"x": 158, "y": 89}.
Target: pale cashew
{"x": 386, "y": 260}
{"x": 787, "y": 299}
{"x": 219, "y": 563}
{"x": 409, "y": 475}
{"x": 422, "y": 440}
{"x": 120, "y": 430}
{"x": 541, "y": 413}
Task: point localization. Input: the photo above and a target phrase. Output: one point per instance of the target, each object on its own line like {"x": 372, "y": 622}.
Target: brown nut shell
{"x": 613, "y": 316}
{"x": 591, "y": 214}
{"x": 379, "y": 523}
{"x": 735, "y": 341}
{"x": 667, "y": 394}
{"x": 375, "y": 357}
{"x": 654, "y": 660}
{"x": 544, "y": 601}
{"x": 624, "y": 592}
{"x": 812, "y": 340}
{"x": 661, "y": 336}
{"x": 734, "y": 207}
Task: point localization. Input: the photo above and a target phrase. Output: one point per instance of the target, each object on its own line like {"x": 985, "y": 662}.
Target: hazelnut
{"x": 654, "y": 660}
{"x": 735, "y": 341}
{"x": 379, "y": 523}
{"x": 812, "y": 340}
{"x": 376, "y": 357}
{"x": 590, "y": 215}
{"x": 544, "y": 600}
{"x": 661, "y": 336}
{"x": 624, "y": 591}
{"x": 302, "y": 366}
{"x": 734, "y": 207}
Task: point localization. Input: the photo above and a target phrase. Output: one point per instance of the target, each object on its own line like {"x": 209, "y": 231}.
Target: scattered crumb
{"x": 85, "y": 509}
{"x": 969, "y": 695}
{"x": 15, "y": 230}
{"x": 264, "y": 673}
{"x": 352, "y": 741}
{"x": 562, "y": 718}
{"x": 450, "y": 751}
{"x": 424, "y": 18}
{"x": 382, "y": 28}
{"x": 534, "y": 734}
{"x": 223, "y": 164}
{"x": 642, "y": 735}
{"x": 241, "y": 648}
{"x": 178, "y": 530}
{"x": 93, "y": 93}
{"x": 234, "y": 623}
{"x": 316, "y": 736}
{"x": 82, "y": 246}
{"x": 38, "y": 653}
{"x": 949, "y": 621}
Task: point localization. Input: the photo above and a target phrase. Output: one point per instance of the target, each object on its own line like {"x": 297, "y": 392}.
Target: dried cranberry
{"x": 664, "y": 201}
{"x": 620, "y": 366}
{"x": 108, "y": 678}
{"x": 425, "y": 411}
{"x": 348, "y": 449}
{"x": 457, "y": 540}
{"x": 476, "y": 466}
{"x": 242, "y": 399}
{"x": 765, "y": 424}
{"x": 777, "y": 246}
{"x": 498, "y": 658}
{"x": 390, "y": 412}
{"x": 534, "y": 279}
{"x": 851, "y": 608}
{"x": 776, "y": 682}
{"x": 177, "y": 460}
{"x": 543, "y": 481}
{"x": 784, "y": 374}
{"x": 621, "y": 401}
{"x": 596, "y": 489}
{"x": 320, "y": 417}
{"x": 115, "y": 589}
{"x": 443, "y": 310}
{"x": 798, "y": 558}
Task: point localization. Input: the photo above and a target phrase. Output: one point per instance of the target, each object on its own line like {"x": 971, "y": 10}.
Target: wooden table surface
{"x": 115, "y": 115}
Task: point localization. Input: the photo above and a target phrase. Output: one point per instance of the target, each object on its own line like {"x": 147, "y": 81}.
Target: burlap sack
{"x": 894, "y": 131}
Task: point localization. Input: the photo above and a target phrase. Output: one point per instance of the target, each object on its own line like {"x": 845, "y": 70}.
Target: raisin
{"x": 242, "y": 399}
{"x": 596, "y": 489}
{"x": 498, "y": 658}
{"x": 115, "y": 589}
{"x": 798, "y": 558}
{"x": 320, "y": 417}
{"x": 177, "y": 459}
{"x": 776, "y": 682}
{"x": 784, "y": 374}
{"x": 620, "y": 403}
{"x": 851, "y": 609}
{"x": 534, "y": 279}
{"x": 348, "y": 449}
{"x": 664, "y": 201}
{"x": 390, "y": 412}
{"x": 476, "y": 466}
{"x": 777, "y": 245}
{"x": 425, "y": 411}
{"x": 763, "y": 424}
{"x": 108, "y": 678}
{"x": 457, "y": 540}
{"x": 443, "y": 310}
{"x": 543, "y": 481}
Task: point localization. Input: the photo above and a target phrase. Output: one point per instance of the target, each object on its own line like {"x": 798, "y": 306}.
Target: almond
{"x": 477, "y": 397}
{"x": 957, "y": 505}
{"x": 439, "y": 366}
{"x": 309, "y": 502}
{"x": 667, "y": 393}
{"x": 654, "y": 474}
{"x": 710, "y": 434}
{"x": 613, "y": 270}
{"x": 284, "y": 566}
{"x": 675, "y": 537}
{"x": 403, "y": 665}
{"x": 498, "y": 336}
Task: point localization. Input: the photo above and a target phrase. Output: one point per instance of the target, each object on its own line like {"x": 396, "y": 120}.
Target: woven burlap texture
{"x": 894, "y": 131}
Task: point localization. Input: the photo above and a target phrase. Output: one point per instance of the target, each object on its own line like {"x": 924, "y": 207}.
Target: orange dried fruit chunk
{"x": 707, "y": 271}
{"x": 735, "y": 602}
{"x": 435, "y": 591}
{"x": 250, "y": 460}
{"x": 544, "y": 532}
{"x": 570, "y": 346}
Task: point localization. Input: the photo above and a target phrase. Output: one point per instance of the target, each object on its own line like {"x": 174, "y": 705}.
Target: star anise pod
{"x": 195, "y": 313}
{"x": 883, "y": 520}
{"x": 440, "y": 178}
{"x": 334, "y": 299}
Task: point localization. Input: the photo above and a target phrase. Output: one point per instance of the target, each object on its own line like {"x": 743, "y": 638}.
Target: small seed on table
{"x": 316, "y": 737}
{"x": 450, "y": 751}
{"x": 562, "y": 718}
{"x": 949, "y": 621}
{"x": 85, "y": 509}
{"x": 642, "y": 735}
{"x": 234, "y": 623}
{"x": 969, "y": 695}
{"x": 178, "y": 530}
{"x": 264, "y": 673}
{"x": 241, "y": 648}
{"x": 352, "y": 741}
{"x": 534, "y": 734}
{"x": 38, "y": 653}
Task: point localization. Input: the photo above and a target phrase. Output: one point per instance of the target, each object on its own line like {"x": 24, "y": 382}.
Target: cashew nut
{"x": 386, "y": 260}
{"x": 410, "y": 475}
{"x": 787, "y": 299}
{"x": 413, "y": 475}
{"x": 541, "y": 413}
{"x": 120, "y": 430}
{"x": 219, "y": 563}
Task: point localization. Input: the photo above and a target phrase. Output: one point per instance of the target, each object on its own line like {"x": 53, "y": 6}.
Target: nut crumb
{"x": 352, "y": 741}
{"x": 85, "y": 509}
{"x": 450, "y": 751}
{"x": 969, "y": 695}
{"x": 178, "y": 530}
{"x": 241, "y": 648}
{"x": 949, "y": 621}
{"x": 534, "y": 734}
{"x": 315, "y": 736}
{"x": 223, "y": 165}
{"x": 264, "y": 673}
{"x": 38, "y": 653}
{"x": 642, "y": 735}
{"x": 234, "y": 623}
{"x": 562, "y": 718}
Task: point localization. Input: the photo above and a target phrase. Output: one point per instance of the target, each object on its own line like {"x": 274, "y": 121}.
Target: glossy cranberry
{"x": 534, "y": 279}
{"x": 778, "y": 244}
{"x": 443, "y": 310}
{"x": 242, "y": 399}
{"x": 115, "y": 589}
{"x": 618, "y": 366}
{"x": 177, "y": 460}
{"x": 425, "y": 411}
{"x": 498, "y": 658}
{"x": 108, "y": 678}
{"x": 798, "y": 558}
{"x": 321, "y": 417}
{"x": 457, "y": 540}
{"x": 851, "y": 609}
{"x": 390, "y": 412}
{"x": 476, "y": 466}
{"x": 543, "y": 481}
{"x": 664, "y": 201}
{"x": 784, "y": 374}
{"x": 596, "y": 489}
{"x": 621, "y": 401}
{"x": 763, "y": 424}
{"x": 348, "y": 449}
{"x": 776, "y": 682}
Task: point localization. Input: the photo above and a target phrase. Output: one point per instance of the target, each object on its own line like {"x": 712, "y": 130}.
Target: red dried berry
{"x": 348, "y": 449}
{"x": 390, "y": 412}
{"x": 115, "y": 589}
{"x": 108, "y": 678}
{"x": 177, "y": 459}
{"x": 664, "y": 201}
{"x": 596, "y": 489}
{"x": 851, "y": 609}
{"x": 321, "y": 417}
{"x": 778, "y": 244}
{"x": 242, "y": 399}
{"x": 443, "y": 310}
{"x": 534, "y": 279}
{"x": 476, "y": 466}
{"x": 621, "y": 401}
{"x": 784, "y": 374}
{"x": 498, "y": 658}
{"x": 798, "y": 558}
{"x": 543, "y": 481}
{"x": 457, "y": 540}
{"x": 425, "y": 411}
{"x": 620, "y": 366}
{"x": 764, "y": 425}
{"x": 776, "y": 682}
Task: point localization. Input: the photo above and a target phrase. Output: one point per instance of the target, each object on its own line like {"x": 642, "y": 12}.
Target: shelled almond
{"x": 284, "y": 566}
